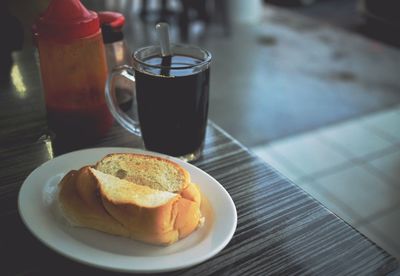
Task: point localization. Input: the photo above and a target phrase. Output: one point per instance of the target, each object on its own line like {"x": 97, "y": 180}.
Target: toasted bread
{"x": 155, "y": 172}
{"x": 154, "y": 216}
{"x": 92, "y": 199}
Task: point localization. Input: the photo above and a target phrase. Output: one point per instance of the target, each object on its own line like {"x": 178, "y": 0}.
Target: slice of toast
{"x": 153, "y": 216}
{"x": 155, "y": 172}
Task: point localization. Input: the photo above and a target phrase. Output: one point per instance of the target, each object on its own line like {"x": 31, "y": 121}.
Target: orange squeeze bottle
{"x": 74, "y": 71}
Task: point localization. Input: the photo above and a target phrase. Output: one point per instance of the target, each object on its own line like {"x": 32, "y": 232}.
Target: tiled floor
{"x": 353, "y": 168}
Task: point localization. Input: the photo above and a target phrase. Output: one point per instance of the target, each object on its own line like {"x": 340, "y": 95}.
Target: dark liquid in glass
{"x": 173, "y": 109}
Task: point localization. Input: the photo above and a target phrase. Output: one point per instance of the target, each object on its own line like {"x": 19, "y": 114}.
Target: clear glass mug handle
{"x": 125, "y": 71}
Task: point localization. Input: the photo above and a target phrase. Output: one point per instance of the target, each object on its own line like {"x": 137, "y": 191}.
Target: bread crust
{"x": 188, "y": 217}
{"x": 86, "y": 212}
{"x": 192, "y": 193}
{"x": 152, "y": 225}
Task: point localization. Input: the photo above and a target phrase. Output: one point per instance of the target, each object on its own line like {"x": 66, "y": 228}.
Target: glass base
{"x": 191, "y": 157}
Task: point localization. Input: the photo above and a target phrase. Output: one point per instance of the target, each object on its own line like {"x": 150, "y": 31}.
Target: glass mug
{"x": 172, "y": 100}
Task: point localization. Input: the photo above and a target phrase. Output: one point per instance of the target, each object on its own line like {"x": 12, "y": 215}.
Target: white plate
{"x": 40, "y": 214}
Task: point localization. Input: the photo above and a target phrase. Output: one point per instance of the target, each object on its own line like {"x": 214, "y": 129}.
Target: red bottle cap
{"x": 67, "y": 20}
{"x": 115, "y": 20}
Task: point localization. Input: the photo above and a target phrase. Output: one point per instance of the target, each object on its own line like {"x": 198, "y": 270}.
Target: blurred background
{"x": 311, "y": 86}
{"x": 281, "y": 67}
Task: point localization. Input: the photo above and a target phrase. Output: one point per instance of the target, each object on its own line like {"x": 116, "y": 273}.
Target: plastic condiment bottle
{"x": 74, "y": 71}
{"x": 117, "y": 53}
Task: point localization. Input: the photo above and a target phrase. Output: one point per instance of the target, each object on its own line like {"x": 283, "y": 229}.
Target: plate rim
{"x": 110, "y": 267}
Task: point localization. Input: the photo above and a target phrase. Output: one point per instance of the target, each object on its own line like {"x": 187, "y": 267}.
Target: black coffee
{"x": 173, "y": 109}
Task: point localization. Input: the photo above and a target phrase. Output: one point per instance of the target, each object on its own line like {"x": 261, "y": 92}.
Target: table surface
{"x": 280, "y": 230}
